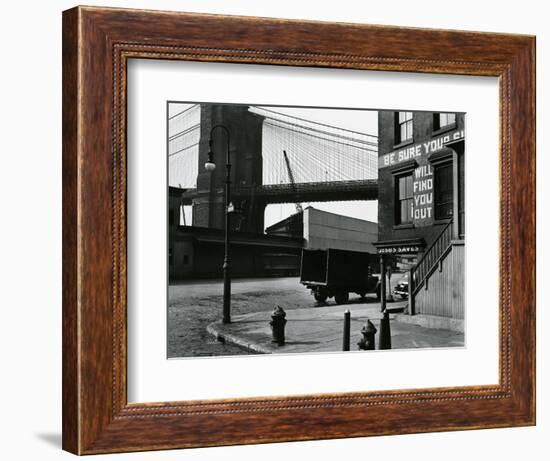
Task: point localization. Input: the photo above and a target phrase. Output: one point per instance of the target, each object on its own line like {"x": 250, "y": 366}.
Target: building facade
{"x": 321, "y": 230}
{"x": 421, "y": 205}
{"x": 196, "y": 252}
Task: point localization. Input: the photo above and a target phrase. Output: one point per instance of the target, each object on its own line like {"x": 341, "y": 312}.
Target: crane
{"x": 292, "y": 183}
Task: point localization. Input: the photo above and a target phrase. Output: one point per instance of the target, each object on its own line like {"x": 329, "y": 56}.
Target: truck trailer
{"x": 338, "y": 273}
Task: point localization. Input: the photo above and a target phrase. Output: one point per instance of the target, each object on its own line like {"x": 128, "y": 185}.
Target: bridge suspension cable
{"x": 183, "y": 146}
{"x": 317, "y": 152}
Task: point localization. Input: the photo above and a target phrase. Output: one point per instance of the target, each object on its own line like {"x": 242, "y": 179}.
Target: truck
{"x": 337, "y": 273}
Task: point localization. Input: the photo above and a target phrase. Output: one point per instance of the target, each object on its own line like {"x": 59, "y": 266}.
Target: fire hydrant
{"x": 367, "y": 341}
{"x": 278, "y": 323}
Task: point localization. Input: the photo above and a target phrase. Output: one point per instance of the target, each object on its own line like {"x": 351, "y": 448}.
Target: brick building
{"x": 421, "y": 205}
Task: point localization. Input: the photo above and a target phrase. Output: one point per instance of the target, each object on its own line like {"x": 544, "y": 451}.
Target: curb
{"x": 432, "y": 321}
{"x": 215, "y": 329}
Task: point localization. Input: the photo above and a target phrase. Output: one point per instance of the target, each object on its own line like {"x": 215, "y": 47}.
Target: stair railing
{"x": 432, "y": 257}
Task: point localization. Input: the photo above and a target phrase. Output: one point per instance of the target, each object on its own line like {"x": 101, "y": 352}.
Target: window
{"x": 403, "y": 199}
{"x": 443, "y": 191}
{"x": 443, "y": 120}
{"x": 403, "y": 127}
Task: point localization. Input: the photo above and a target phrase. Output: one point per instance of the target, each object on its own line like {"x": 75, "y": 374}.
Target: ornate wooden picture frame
{"x": 97, "y": 44}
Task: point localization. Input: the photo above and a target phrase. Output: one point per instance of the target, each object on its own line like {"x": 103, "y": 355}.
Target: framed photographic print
{"x": 281, "y": 230}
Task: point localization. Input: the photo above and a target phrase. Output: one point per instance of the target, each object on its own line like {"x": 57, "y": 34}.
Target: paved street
{"x": 194, "y": 305}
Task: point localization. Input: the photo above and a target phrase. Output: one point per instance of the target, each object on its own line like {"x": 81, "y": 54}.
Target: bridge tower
{"x": 245, "y": 130}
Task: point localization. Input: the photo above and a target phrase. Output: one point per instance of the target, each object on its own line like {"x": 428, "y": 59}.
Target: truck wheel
{"x": 342, "y": 297}
{"x": 320, "y": 295}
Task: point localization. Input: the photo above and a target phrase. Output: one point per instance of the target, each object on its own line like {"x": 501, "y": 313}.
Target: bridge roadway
{"x": 300, "y": 192}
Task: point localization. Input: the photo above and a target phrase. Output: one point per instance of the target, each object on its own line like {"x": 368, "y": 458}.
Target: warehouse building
{"x": 321, "y": 229}
{"x": 197, "y": 252}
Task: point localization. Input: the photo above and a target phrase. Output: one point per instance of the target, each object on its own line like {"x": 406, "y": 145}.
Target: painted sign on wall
{"x": 423, "y": 191}
{"x": 399, "y": 250}
{"x": 417, "y": 150}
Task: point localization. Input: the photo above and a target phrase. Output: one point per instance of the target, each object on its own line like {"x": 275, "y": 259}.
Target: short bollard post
{"x": 278, "y": 322}
{"x": 385, "y": 333}
{"x": 347, "y": 327}
{"x": 367, "y": 341}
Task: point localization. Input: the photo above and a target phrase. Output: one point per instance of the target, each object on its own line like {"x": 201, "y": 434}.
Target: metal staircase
{"x": 431, "y": 259}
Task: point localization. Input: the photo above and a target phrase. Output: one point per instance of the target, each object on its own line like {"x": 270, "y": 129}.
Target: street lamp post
{"x": 211, "y": 166}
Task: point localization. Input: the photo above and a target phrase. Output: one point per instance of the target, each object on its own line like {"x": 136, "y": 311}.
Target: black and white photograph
{"x": 313, "y": 229}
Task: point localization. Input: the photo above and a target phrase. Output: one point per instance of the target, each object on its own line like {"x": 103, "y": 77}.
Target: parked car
{"x": 338, "y": 273}
{"x": 402, "y": 288}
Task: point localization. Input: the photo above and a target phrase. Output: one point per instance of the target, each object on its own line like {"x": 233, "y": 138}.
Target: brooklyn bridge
{"x": 275, "y": 158}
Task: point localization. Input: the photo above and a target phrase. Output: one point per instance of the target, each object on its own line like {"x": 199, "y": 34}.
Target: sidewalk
{"x": 320, "y": 329}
